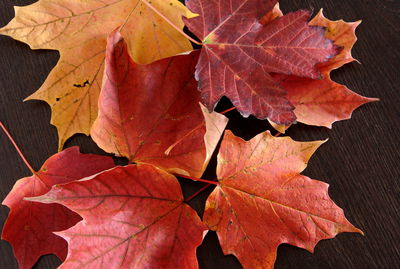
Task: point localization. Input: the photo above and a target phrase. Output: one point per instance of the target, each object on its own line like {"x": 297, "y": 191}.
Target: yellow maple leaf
{"x": 78, "y": 29}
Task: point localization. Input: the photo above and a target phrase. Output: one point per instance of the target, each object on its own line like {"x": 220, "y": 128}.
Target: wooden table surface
{"x": 360, "y": 161}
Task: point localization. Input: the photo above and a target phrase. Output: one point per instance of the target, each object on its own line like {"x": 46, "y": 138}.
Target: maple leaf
{"x": 262, "y": 200}
{"x": 30, "y": 226}
{"x": 117, "y": 233}
{"x": 239, "y": 52}
{"x": 323, "y": 102}
{"x": 151, "y": 113}
{"x": 78, "y": 29}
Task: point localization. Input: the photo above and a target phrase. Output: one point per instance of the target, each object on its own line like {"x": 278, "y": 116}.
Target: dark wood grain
{"x": 360, "y": 161}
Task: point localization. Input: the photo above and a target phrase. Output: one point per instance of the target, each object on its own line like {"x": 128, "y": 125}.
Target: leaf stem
{"x": 228, "y": 110}
{"x": 197, "y": 193}
{"x": 17, "y": 149}
{"x": 198, "y": 179}
{"x": 170, "y": 22}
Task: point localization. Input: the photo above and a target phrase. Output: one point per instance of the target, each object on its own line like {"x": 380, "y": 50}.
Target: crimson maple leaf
{"x": 262, "y": 201}
{"x": 151, "y": 113}
{"x": 239, "y": 52}
{"x": 133, "y": 217}
{"x": 30, "y": 226}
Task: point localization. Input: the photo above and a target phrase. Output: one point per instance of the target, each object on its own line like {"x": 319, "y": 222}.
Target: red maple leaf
{"x": 30, "y": 226}
{"x": 322, "y": 102}
{"x": 239, "y": 52}
{"x": 151, "y": 113}
{"x": 262, "y": 201}
{"x": 133, "y": 217}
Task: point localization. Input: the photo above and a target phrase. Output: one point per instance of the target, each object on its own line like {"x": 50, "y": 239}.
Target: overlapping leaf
{"x": 240, "y": 51}
{"x": 343, "y": 34}
{"x": 262, "y": 200}
{"x": 323, "y": 102}
{"x": 78, "y": 29}
{"x": 151, "y": 113}
{"x": 30, "y": 226}
{"x": 133, "y": 217}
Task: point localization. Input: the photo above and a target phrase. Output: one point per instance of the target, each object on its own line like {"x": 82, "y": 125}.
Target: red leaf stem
{"x": 198, "y": 179}
{"x": 197, "y": 193}
{"x": 17, "y": 149}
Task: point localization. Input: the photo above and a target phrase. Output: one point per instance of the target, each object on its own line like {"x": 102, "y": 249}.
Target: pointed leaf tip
{"x": 44, "y": 199}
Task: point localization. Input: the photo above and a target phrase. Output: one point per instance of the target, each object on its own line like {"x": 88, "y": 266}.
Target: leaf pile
{"x": 129, "y": 77}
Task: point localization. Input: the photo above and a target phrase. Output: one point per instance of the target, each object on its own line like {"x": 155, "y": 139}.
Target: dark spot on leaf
{"x": 82, "y": 85}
